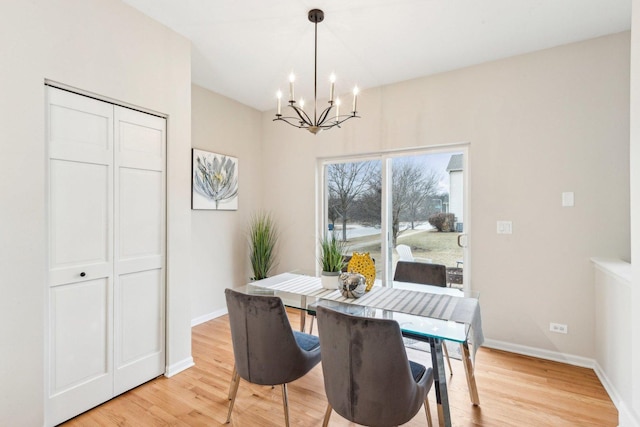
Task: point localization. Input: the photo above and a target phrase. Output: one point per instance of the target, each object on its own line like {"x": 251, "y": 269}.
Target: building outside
{"x": 456, "y": 207}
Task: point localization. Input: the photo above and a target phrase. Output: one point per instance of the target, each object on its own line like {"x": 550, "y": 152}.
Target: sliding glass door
{"x": 408, "y": 205}
{"x": 353, "y": 206}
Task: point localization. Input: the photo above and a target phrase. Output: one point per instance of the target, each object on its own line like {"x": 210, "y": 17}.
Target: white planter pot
{"x": 329, "y": 280}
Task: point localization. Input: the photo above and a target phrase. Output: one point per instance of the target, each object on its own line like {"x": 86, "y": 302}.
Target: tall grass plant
{"x": 332, "y": 253}
{"x": 263, "y": 237}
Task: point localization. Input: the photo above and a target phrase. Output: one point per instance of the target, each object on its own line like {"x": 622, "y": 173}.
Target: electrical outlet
{"x": 567, "y": 199}
{"x": 558, "y": 328}
{"x": 504, "y": 227}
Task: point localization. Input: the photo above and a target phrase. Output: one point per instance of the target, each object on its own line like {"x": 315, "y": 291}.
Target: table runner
{"x": 438, "y": 306}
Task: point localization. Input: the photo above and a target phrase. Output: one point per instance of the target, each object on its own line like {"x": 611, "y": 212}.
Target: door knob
{"x": 83, "y": 274}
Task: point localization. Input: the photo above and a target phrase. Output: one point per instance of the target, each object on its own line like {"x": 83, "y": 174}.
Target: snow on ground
{"x": 357, "y": 230}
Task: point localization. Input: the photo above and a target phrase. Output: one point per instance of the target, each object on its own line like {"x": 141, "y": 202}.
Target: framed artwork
{"x": 214, "y": 181}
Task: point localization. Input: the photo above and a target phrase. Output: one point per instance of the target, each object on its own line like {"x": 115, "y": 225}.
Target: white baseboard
{"x": 625, "y": 417}
{"x": 610, "y": 388}
{"x": 541, "y": 354}
{"x": 176, "y": 368}
{"x": 209, "y": 316}
{"x": 188, "y": 362}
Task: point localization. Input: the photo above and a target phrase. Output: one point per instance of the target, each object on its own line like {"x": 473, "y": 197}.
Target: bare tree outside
{"x": 347, "y": 182}
{"x": 420, "y": 187}
{"x": 413, "y": 187}
{"x": 422, "y": 184}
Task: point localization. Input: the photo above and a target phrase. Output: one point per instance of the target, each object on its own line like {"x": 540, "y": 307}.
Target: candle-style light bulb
{"x": 301, "y": 103}
{"x": 292, "y": 78}
{"x": 355, "y": 98}
{"x": 332, "y": 79}
{"x": 279, "y": 96}
{"x": 337, "y": 108}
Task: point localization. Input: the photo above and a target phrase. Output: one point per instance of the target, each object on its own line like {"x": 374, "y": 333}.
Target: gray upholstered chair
{"x": 425, "y": 274}
{"x": 420, "y": 272}
{"x": 266, "y": 350}
{"x": 367, "y": 376}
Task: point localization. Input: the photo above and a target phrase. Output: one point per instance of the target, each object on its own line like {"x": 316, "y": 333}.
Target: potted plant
{"x": 331, "y": 259}
{"x": 263, "y": 236}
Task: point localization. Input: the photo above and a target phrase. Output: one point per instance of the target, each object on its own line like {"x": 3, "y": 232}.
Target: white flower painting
{"x": 215, "y": 181}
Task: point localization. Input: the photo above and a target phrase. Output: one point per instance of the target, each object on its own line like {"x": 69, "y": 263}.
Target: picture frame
{"x": 214, "y": 181}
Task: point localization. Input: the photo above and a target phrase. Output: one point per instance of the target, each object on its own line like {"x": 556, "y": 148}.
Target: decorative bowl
{"x": 352, "y": 285}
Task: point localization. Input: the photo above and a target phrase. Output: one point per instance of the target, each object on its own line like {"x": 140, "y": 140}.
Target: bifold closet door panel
{"x": 80, "y": 315}
{"x": 139, "y": 254}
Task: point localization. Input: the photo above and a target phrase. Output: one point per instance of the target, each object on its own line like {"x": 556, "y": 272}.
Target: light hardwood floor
{"x": 514, "y": 391}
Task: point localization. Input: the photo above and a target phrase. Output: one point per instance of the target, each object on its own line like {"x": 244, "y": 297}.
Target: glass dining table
{"x": 425, "y": 313}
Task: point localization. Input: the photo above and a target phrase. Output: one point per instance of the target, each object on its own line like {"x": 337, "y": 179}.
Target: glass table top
{"x": 413, "y": 326}
{"x": 417, "y": 327}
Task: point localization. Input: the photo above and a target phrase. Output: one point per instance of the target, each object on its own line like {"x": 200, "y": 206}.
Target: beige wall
{"x": 219, "y": 249}
{"x": 104, "y": 47}
{"x": 538, "y": 125}
{"x": 635, "y": 206}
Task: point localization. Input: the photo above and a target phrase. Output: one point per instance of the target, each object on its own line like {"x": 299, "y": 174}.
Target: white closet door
{"x": 139, "y": 291}
{"x": 107, "y": 251}
{"x": 80, "y": 256}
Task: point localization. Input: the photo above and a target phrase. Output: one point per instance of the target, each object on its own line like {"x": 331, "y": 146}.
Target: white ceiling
{"x": 245, "y": 49}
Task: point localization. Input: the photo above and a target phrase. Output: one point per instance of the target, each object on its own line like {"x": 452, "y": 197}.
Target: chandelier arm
{"x": 324, "y": 114}
{"x": 295, "y": 124}
{"x": 340, "y": 120}
{"x": 290, "y": 119}
{"x": 302, "y": 114}
{"x": 333, "y": 124}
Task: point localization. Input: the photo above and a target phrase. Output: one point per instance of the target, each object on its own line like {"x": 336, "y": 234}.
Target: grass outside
{"x": 439, "y": 247}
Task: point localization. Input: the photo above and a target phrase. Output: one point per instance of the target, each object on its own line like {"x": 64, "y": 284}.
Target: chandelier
{"x": 327, "y": 118}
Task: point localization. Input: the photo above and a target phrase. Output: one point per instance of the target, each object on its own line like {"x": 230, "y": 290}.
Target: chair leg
{"x": 427, "y": 409}
{"x": 235, "y": 382}
{"x": 446, "y": 353}
{"x": 285, "y": 402}
{"x": 327, "y": 415}
{"x": 234, "y": 375}
{"x": 311, "y": 328}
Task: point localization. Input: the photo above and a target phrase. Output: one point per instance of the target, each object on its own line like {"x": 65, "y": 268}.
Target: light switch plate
{"x": 567, "y": 199}
{"x": 505, "y": 227}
